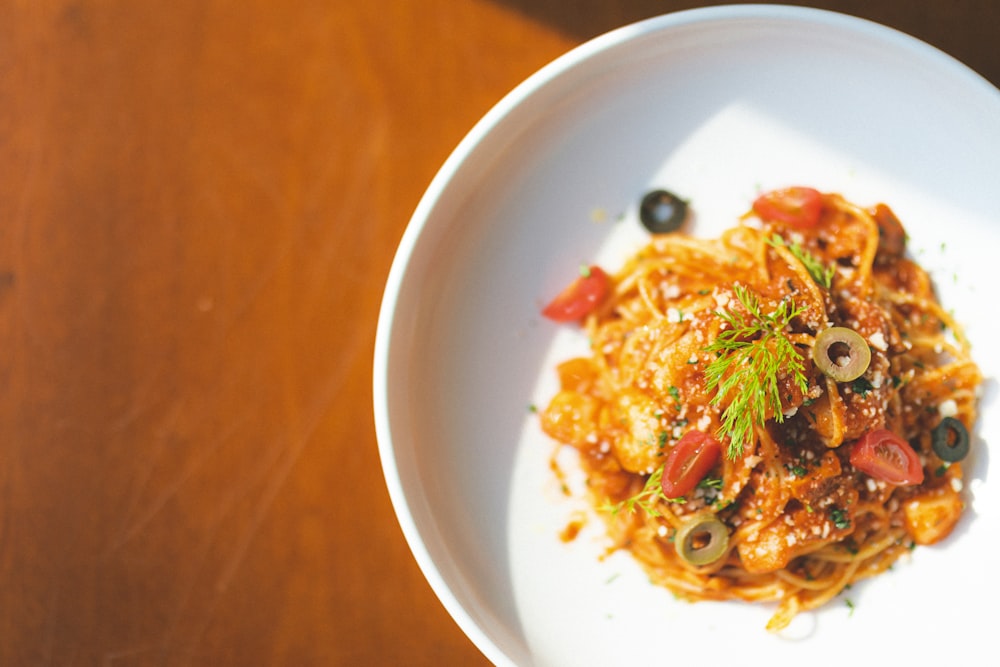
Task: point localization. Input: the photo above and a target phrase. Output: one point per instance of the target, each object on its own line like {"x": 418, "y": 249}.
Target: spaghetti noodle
{"x": 774, "y": 414}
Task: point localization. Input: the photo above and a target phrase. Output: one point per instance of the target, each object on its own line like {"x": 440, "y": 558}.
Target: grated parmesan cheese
{"x": 948, "y": 408}
{"x": 877, "y": 340}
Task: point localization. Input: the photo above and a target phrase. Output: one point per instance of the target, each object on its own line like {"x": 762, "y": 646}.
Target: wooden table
{"x": 200, "y": 201}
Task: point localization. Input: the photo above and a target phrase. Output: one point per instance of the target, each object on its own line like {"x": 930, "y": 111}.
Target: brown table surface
{"x": 200, "y": 201}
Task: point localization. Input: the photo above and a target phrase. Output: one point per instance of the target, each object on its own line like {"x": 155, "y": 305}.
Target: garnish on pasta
{"x": 774, "y": 414}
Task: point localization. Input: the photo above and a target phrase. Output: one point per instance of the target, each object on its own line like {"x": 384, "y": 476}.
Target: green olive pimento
{"x": 702, "y": 540}
{"x": 841, "y": 353}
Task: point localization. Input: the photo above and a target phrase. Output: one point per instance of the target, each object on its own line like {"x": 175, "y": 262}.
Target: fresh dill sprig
{"x": 646, "y": 499}
{"x": 821, "y": 274}
{"x": 751, "y": 354}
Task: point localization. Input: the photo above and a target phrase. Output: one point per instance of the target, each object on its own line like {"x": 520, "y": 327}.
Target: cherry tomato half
{"x": 796, "y": 206}
{"x": 582, "y": 296}
{"x": 885, "y": 456}
{"x": 694, "y": 455}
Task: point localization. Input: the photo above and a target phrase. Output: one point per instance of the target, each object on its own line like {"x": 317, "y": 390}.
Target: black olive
{"x": 950, "y": 440}
{"x": 662, "y": 212}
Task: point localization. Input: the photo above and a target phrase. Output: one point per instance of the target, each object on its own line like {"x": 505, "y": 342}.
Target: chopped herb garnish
{"x": 797, "y": 470}
{"x": 862, "y": 386}
{"x": 840, "y": 518}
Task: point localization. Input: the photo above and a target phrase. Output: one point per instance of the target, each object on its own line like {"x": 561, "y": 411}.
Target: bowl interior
{"x": 715, "y": 104}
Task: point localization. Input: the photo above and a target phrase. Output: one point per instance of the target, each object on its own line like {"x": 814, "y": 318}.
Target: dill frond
{"x": 751, "y": 354}
{"x": 646, "y": 499}
{"x": 821, "y": 274}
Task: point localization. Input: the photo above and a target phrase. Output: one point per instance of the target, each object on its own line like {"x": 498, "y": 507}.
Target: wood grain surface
{"x": 199, "y": 204}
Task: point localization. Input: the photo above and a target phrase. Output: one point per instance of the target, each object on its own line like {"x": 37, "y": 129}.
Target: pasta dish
{"x": 771, "y": 415}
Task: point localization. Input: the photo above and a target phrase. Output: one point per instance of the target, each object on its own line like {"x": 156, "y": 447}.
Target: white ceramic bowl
{"x": 714, "y": 104}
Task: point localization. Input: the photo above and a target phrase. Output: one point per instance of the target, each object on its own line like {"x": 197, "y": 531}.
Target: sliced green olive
{"x": 702, "y": 540}
{"x": 950, "y": 440}
{"x": 842, "y": 353}
{"x": 662, "y": 212}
